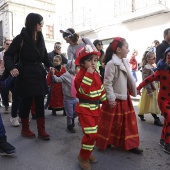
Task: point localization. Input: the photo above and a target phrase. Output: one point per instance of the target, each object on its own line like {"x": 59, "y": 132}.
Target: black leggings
{"x": 26, "y": 103}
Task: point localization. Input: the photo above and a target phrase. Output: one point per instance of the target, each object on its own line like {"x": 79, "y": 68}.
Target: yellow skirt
{"x": 149, "y": 104}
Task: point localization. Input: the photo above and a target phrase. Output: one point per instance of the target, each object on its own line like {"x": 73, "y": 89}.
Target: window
{"x": 49, "y": 32}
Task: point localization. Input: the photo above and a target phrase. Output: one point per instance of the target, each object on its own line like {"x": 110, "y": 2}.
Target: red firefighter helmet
{"x": 85, "y": 51}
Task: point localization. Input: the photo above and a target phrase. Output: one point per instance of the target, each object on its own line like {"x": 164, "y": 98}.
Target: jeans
{"x": 69, "y": 106}
{"x": 134, "y": 75}
{"x": 4, "y": 95}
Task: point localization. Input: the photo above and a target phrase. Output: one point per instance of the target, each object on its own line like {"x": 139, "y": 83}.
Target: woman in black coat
{"x": 29, "y": 47}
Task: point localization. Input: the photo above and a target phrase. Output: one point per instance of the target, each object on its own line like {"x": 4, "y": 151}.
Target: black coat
{"x": 32, "y": 75}
{"x": 53, "y": 53}
{"x": 160, "y": 49}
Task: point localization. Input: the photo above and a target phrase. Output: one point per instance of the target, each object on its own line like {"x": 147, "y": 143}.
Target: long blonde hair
{"x": 146, "y": 55}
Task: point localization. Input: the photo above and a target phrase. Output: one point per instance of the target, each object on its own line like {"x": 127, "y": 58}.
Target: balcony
{"x": 128, "y": 10}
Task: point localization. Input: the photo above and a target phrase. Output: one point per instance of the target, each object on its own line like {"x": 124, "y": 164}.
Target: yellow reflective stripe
{"x": 87, "y": 147}
{"x": 102, "y": 87}
{"x": 103, "y": 98}
{"x": 95, "y": 93}
{"x": 89, "y": 106}
{"x": 87, "y": 80}
{"x": 90, "y": 130}
{"x": 81, "y": 90}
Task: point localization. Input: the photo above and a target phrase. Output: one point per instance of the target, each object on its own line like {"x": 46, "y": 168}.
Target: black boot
{"x": 136, "y": 151}
{"x": 162, "y": 143}
{"x": 34, "y": 117}
{"x": 64, "y": 113}
{"x": 54, "y": 113}
{"x": 141, "y": 117}
{"x": 73, "y": 123}
{"x": 158, "y": 122}
{"x": 70, "y": 129}
{"x": 5, "y": 147}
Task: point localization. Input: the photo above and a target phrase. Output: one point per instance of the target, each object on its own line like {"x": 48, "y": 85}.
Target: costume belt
{"x": 97, "y": 102}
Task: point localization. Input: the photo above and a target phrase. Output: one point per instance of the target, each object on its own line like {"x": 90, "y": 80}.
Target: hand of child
{"x": 91, "y": 70}
{"x": 138, "y": 92}
{"x": 112, "y": 104}
{"x": 52, "y": 69}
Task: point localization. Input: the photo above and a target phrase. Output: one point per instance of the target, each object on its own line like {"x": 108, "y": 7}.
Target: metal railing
{"x": 122, "y": 7}
{"x": 83, "y": 17}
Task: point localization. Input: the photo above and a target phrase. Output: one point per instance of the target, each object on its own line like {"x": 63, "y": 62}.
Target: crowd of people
{"x": 87, "y": 83}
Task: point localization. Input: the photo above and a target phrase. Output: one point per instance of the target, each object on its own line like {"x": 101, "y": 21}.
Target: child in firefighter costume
{"x": 90, "y": 92}
{"x": 162, "y": 74}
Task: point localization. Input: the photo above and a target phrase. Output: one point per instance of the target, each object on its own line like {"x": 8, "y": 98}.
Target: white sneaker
{"x": 14, "y": 121}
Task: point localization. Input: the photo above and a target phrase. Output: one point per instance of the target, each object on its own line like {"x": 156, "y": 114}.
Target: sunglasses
{"x": 41, "y": 23}
{"x": 67, "y": 36}
{"x": 58, "y": 47}
{"x": 99, "y": 44}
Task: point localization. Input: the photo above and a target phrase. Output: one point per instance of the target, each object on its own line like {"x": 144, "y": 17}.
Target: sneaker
{"x": 162, "y": 143}
{"x": 70, "y": 129}
{"x": 14, "y": 121}
{"x": 92, "y": 159}
{"x": 84, "y": 163}
{"x": 167, "y": 148}
{"x": 6, "y": 148}
{"x": 136, "y": 150}
{"x": 6, "y": 110}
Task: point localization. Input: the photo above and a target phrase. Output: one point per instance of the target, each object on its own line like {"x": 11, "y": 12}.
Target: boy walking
{"x": 90, "y": 92}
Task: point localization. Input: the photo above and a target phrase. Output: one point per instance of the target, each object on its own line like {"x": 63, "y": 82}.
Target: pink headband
{"x": 115, "y": 42}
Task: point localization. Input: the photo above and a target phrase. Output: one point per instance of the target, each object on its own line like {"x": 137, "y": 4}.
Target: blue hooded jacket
{"x": 161, "y": 65}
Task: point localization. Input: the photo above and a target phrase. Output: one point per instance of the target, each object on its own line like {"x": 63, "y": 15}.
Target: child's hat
{"x": 85, "y": 51}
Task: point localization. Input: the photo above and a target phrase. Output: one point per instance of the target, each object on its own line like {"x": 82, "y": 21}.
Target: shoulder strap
{"x": 19, "y": 55}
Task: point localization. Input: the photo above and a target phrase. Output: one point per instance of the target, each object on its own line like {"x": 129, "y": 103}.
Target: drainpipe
{"x": 72, "y": 8}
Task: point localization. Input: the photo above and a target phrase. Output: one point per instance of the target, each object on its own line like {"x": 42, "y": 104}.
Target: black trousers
{"x": 15, "y": 107}
{"x": 26, "y": 103}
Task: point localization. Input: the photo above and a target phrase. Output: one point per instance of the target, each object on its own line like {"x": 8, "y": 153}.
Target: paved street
{"x": 60, "y": 152}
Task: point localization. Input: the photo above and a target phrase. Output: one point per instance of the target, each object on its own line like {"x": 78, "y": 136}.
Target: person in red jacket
{"x": 162, "y": 74}
{"x": 90, "y": 92}
{"x": 134, "y": 64}
{"x": 56, "y": 98}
